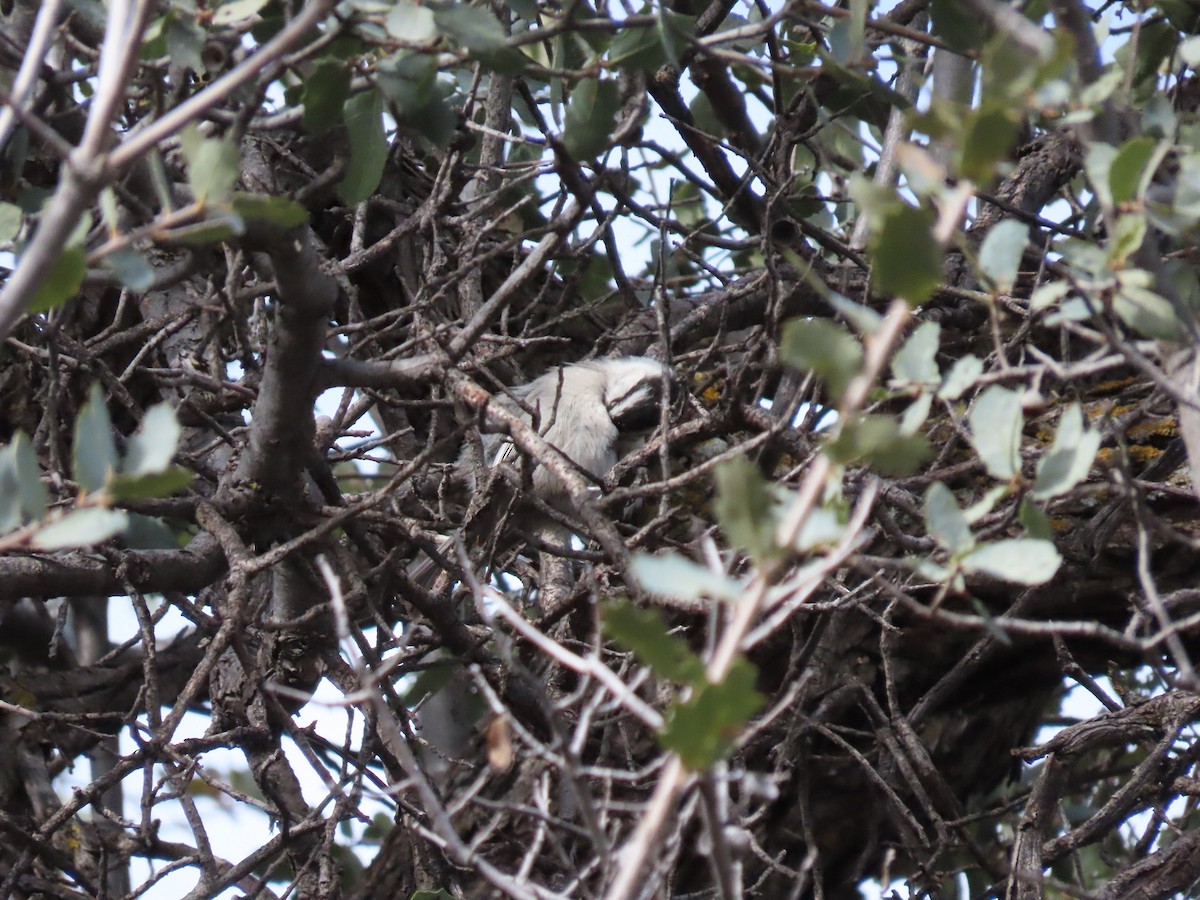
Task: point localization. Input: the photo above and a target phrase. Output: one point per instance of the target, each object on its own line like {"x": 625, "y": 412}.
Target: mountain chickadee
{"x": 593, "y": 412}
{"x": 588, "y": 411}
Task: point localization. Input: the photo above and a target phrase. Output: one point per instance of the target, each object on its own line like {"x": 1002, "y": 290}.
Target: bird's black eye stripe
{"x": 638, "y": 408}
{"x": 631, "y": 397}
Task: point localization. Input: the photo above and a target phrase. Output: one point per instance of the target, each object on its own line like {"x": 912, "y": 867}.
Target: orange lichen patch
{"x": 1149, "y": 429}
{"x": 1144, "y": 453}
{"x": 708, "y": 389}
{"x": 1113, "y": 386}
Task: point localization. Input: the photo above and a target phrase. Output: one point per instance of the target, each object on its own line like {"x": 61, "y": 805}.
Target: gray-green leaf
{"x": 82, "y": 528}
{"x": 1069, "y": 458}
{"x": 745, "y": 508}
{"x": 915, "y": 363}
{"x": 410, "y": 22}
{"x": 213, "y": 168}
{"x": 23, "y": 497}
{"x": 1019, "y": 560}
{"x": 964, "y": 373}
{"x": 945, "y": 520}
{"x": 153, "y": 445}
{"x": 1000, "y": 255}
{"x": 33, "y": 494}
{"x": 62, "y": 281}
{"x": 591, "y": 117}
{"x": 94, "y": 454}
{"x": 822, "y": 347}
{"x": 324, "y": 97}
{"x": 675, "y": 576}
{"x": 368, "y": 147}
{"x": 473, "y": 27}
{"x": 907, "y": 257}
{"x": 996, "y": 422}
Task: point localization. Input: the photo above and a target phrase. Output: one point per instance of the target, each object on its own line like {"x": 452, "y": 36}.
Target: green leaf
{"x": 991, "y": 134}
{"x": 213, "y": 166}
{"x": 109, "y": 213}
{"x": 676, "y": 31}
{"x": 23, "y": 497}
{"x": 1098, "y": 91}
{"x": 1098, "y": 162}
{"x": 152, "y": 484}
{"x": 1008, "y": 71}
{"x": 916, "y": 414}
{"x": 1129, "y": 166}
{"x": 675, "y": 576}
{"x": 1001, "y": 252}
{"x": 472, "y": 27}
{"x": 1187, "y": 187}
{"x": 1035, "y": 522}
{"x": 410, "y": 22}
{"x": 233, "y": 11}
{"x": 1049, "y": 295}
{"x": 1127, "y": 237}
{"x": 149, "y": 533}
{"x": 862, "y": 319}
{"x": 591, "y": 118}
{"x": 645, "y": 633}
{"x": 81, "y": 528}
{"x": 637, "y": 48}
{"x": 32, "y": 493}
{"x": 282, "y": 212}
{"x": 1018, "y": 560}
{"x": 1182, "y": 14}
{"x": 823, "y": 347}
{"x": 132, "y": 268}
{"x": 1147, "y": 313}
{"x": 985, "y": 504}
{"x": 744, "y": 508}
{"x": 78, "y": 236}
{"x": 185, "y": 42}
{"x": 480, "y": 32}
{"x": 368, "y": 147}
{"x": 876, "y": 200}
{"x": 705, "y": 728}
{"x": 62, "y": 282}
{"x": 10, "y": 501}
{"x": 957, "y": 25}
{"x": 325, "y": 93}
{"x": 996, "y": 421}
{"x": 407, "y": 80}
{"x": 11, "y": 218}
{"x": 915, "y": 364}
{"x": 846, "y": 41}
{"x": 944, "y": 520}
{"x": 907, "y": 259}
{"x": 154, "y": 39}
{"x": 1069, "y": 458}
{"x": 152, "y": 446}
{"x": 880, "y": 441}
{"x": 962, "y": 375}
{"x": 213, "y": 230}
{"x": 823, "y": 528}
{"x": 94, "y": 453}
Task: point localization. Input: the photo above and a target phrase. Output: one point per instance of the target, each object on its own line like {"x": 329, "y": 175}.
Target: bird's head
{"x": 633, "y": 390}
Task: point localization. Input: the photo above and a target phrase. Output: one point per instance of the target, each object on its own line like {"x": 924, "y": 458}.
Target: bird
{"x": 593, "y": 412}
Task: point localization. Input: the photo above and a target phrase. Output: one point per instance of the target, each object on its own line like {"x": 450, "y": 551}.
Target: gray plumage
{"x": 593, "y": 412}
{"x": 587, "y": 410}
